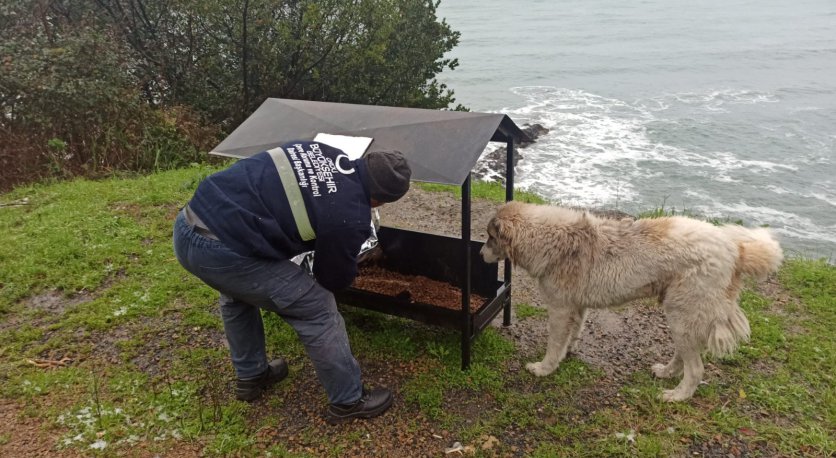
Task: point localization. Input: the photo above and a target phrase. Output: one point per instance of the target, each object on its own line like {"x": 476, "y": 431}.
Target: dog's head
{"x": 500, "y": 234}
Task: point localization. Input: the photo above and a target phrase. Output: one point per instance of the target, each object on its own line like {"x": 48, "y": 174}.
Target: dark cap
{"x": 388, "y": 175}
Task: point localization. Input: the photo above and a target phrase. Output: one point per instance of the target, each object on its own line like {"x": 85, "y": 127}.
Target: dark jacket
{"x": 247, "y": 208}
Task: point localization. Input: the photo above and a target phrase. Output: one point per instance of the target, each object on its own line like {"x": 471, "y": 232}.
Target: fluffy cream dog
{"x": 582, "y": 261}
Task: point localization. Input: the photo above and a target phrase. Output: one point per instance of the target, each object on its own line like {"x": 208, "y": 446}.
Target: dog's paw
{"x": 673, "y": 396}
{"x": 539, "y": 369}
{"x": 661, "y": 371}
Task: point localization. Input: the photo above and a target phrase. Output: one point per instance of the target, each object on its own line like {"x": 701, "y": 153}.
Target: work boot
{"x": 371, "y": 404}
{"x": 250, "y": 389}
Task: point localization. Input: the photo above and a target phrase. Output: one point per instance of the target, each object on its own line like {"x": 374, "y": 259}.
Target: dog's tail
{"x": 728, "y": 332}
{"x": 759, "y": 254}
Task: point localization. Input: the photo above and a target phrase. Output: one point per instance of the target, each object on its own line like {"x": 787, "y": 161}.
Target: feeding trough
{"x": 441, "y": 147}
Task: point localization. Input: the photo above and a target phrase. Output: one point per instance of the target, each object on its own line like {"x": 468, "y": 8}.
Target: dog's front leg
{"x": 672, "y": 369}
{"x": 564, "y": 325}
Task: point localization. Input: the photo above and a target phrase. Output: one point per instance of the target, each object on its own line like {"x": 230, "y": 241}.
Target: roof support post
{"x": 509, "y": 196}
{"x": 467, "y": 326}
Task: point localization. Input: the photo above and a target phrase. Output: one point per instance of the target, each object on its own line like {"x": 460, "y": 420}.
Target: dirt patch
{"x": 301, "y": 426}
{"x": 162, "y": 341}
{"x": 721, "y": 446}
{"x": 50, "y": 305}
{"x": 623, "y": 341}
{"x": 30, "y": 436}
{"x": 615, "y": 341}
{"x": 56, "y": 302}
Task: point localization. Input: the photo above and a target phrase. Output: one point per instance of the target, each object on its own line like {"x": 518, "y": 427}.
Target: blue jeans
{"x": 248, "y": 284}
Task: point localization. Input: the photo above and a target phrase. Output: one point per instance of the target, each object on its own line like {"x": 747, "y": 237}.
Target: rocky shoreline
{"x": 492, "y": 166}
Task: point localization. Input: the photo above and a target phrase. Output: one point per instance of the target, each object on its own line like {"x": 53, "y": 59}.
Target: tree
{"x": 88, "y": 86}
{"x": 69, "y": 102}
{"x": 225, "y": 57}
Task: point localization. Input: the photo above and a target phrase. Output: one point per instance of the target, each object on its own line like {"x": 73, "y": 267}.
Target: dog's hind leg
{"x": 672, "y": 369}
{"x": 564, "y": 325}
{"x": 693, "y": 372}
{"x": 577, "y": 331}
{"x": 686, "y": 313}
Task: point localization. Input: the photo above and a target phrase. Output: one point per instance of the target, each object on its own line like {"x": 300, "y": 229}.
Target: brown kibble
{"x": 415, "y": 288}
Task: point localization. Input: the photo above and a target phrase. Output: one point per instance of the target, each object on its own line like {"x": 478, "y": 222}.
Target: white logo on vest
{"x": 340, "y": 168}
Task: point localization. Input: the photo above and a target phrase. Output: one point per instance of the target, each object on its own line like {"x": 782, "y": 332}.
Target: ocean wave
{"x": 718, "y": 100}
{"x": 782, "y": 222}
{"x": 601, "y": 145}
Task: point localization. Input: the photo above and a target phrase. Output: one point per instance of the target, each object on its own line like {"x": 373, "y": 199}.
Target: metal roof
{"x": 441, "y": 146}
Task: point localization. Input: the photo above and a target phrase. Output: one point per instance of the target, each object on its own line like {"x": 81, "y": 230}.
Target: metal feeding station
{"x": 441, "y": 147}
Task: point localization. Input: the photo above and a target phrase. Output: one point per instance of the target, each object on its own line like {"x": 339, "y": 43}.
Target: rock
{"x": 489, "y": 442}
{"x": 533, "y": 131}
{"x": 455, "y": 448}
{"x": 492, "y": 166}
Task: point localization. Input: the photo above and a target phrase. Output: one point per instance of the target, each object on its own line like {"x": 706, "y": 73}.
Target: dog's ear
{"x": 500, "y": 228}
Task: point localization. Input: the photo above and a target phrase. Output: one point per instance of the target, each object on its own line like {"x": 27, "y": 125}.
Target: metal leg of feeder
{"x": 509, "y": 196}
{"x": 466, "y": 318}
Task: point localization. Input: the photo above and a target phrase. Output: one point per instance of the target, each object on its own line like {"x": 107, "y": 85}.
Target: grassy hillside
{"x": 108, "y": 347}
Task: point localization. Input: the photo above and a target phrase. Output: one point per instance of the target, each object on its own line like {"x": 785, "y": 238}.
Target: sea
{"x": 724, "y": 109}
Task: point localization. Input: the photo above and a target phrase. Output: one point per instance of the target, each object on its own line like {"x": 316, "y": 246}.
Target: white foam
{"x": 592, "y": 153}
{"x": 585, "y": 139}
{"x": 783, "y": 222}
{"x": 717, "y": 100}
{"x": 828, "y": 199}
{"x": 777, "y": 189}
{"x": 818, "y": 191}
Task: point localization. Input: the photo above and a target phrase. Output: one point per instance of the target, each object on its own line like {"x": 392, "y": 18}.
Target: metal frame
{"x": 504, "y": 293}
{"x": 467, "y": 323}
{"x": 441, "y": 146}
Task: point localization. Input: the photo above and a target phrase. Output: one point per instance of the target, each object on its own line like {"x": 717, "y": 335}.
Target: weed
{"x": 485, "y": 190}
{"x": 527, "y": 311}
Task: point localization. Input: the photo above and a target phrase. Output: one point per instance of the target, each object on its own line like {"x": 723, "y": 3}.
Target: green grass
{"x": 672, "y": 211}
{"x": 91, "y": 261}
{"x": 527, "y": 311}
{"x": 489, "y": 190}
